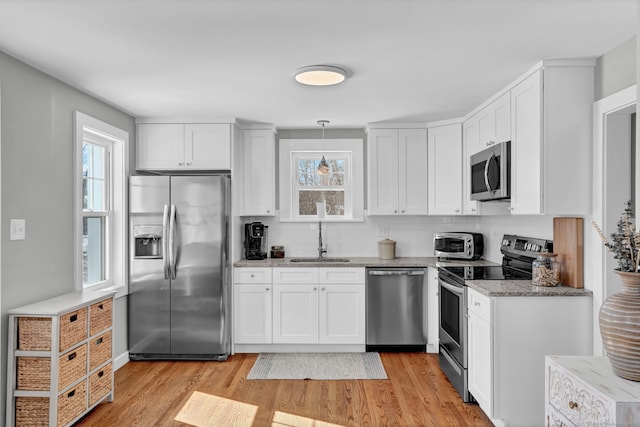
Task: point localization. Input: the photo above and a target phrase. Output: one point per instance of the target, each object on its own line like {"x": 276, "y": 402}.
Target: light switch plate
{"x": 383, "y": 231}
{"x": 18, "y": 229}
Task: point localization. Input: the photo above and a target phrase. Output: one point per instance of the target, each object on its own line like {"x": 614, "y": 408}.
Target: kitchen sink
{"x": 311, "y": 259}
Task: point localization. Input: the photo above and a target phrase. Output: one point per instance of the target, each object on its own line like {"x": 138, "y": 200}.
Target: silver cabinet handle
{"x": 180, "y": 163}
{"x": 188, "y": 163}
{"x": 267, "y": 288}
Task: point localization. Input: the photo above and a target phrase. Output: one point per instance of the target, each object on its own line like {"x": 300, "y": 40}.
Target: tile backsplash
{"x": 413, "y": 234}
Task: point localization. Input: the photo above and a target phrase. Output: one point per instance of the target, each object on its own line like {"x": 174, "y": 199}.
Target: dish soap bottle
{"x": 545, "y": 270}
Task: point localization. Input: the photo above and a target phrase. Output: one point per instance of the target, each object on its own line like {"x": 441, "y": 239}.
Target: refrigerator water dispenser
{"x": 148, "y": 241}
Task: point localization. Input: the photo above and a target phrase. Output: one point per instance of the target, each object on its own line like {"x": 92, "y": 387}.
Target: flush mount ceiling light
{"x": 320, "y": 75}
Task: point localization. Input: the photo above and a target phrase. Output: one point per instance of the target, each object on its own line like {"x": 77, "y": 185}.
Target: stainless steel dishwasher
{"x": 396, "y": 309}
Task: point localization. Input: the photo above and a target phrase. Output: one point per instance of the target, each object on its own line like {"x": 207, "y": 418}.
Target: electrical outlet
{"x": 383, "y": 231}
{"x": 18, "y": 229}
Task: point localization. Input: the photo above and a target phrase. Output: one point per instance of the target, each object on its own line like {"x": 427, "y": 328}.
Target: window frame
{"x": 116, "y": 259}
{"x": 291, "y": 149}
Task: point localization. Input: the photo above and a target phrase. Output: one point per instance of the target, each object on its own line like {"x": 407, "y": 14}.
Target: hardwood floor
{"x": 416, "y": 394}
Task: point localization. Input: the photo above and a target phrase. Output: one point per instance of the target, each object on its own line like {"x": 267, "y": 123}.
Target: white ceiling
{"x": 409, "y": 60}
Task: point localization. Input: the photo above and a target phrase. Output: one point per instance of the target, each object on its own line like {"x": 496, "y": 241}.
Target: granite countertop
{"x": 361, "y": 262}
{"x": 522, "y": 288}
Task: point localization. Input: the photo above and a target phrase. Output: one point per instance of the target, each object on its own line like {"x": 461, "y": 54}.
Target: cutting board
{"x": 568, "y": 244}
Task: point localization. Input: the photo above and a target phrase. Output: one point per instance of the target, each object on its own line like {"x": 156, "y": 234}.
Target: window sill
{"x": 121, "y": 290}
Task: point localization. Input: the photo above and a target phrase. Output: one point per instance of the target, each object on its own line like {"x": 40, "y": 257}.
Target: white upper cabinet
{"x": 445, "y": 169}
{"x": 470, "y": 145}
{"x": 397, "y": 171}
{"x": 494, "y": 121}
{"x": 258, "y": 173}
{"x": 177, "y": 146}
{"x": 551, "y": 120}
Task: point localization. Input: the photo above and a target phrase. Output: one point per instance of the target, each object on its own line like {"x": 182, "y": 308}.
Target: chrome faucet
{"x": 321, "y": 249}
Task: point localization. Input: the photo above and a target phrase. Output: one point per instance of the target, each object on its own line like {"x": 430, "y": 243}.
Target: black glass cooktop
{"x": 488, "y": 273}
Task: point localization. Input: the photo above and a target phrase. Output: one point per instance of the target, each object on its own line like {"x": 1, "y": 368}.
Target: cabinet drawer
{"x": 295, "y": 275}
{"x": 100, "y": 316}
{"x": 479, "y": 304}
{"x": 72, "y": 366}
{"x": 575, "y": 401}
{"x": 34, "y": 333}
{"x": 73, "y": 328}
{"x": 72, "y": 403}
{"x": 341, "y": 275}
{"x": 252, "y": 275}
{"x": 99, "y": 350}
{"x": 100, "y": 384}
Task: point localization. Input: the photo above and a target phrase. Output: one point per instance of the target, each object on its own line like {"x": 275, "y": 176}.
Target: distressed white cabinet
{"x": 433, "y": 311}
{"x": 551, "y": 133}
{"x": 60, "y": 359}
{"x": 179, "y": 146}
{"x": 583, "y": 390}
{"x": 507, "y": 379}
{"x": 258, "y": 172}
{"x": 252, "y": 306}
{"x": 397, "y": 171}
{"x": 445, "y": 169}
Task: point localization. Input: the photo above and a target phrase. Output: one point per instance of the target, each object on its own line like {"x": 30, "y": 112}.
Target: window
{"x": 101, "y": 164}
{"x": 302, "y": 187}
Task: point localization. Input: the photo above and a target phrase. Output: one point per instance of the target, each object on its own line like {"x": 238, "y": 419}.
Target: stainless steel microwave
{"x": 458, "y": 245}
{"x": 491, "y": 172}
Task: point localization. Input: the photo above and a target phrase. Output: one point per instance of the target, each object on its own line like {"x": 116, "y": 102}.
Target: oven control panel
{"x": 527, "y": 246}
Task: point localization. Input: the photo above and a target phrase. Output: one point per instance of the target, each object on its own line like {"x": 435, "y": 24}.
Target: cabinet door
{"x": 412, "y": 171}
{"x": 259, "y": 173}
{"x": 160, "y": 146}
{"x": 433, "y": 311}
{"x": 295, "y": 314}
{"x": 502, "y": 118}
{"x": 470, "y": 145}
{"x": 252, "y": 313}
{"x": 480, "y": 372}
{"x": 207, "y": 146}
{"x": 382, "y": 164}
{"x": 526, "y": 146}
{"x": 445, "y": 170}
{"x": 342, "y": 314}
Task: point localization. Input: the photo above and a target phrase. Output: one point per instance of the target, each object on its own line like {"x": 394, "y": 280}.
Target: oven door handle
{"x": 453, "y": 288}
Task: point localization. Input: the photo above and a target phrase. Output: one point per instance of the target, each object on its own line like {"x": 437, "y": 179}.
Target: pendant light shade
{"x": 320, "y": 75}
{"x": 323, "y": 167}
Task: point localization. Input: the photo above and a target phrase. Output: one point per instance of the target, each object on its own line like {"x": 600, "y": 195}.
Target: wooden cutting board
{"x": 568, "y": 244}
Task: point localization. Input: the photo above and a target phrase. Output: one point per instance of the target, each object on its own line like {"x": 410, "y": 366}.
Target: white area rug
{"x": 318, "y": 366}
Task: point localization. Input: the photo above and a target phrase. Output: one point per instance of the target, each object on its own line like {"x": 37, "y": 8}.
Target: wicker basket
{"x": 72, "y": 366}
{"x": 72, "y": 403}
{"x": 32, "y": 411}
{"x": 99, "y": 350}
{"x": 100, "y": 316}
{"x": 34, "y": 333}
{"x": 73, "y": 328}
{"x": 33, "y": 373}
{"x": 100, "y": 384}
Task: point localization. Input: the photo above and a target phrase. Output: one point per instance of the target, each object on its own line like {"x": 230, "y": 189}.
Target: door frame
{"x": 611, "y": 115}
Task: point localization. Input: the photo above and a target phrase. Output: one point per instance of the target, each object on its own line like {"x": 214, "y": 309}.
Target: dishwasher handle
{"x": 396, "y": 273}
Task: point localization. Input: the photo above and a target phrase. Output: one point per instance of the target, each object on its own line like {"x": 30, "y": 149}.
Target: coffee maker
{"x": 255, "y": 240}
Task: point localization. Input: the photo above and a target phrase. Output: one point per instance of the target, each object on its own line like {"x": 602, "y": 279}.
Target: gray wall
{"x": 616, "y": 69}
{"x": 37, "y": 185}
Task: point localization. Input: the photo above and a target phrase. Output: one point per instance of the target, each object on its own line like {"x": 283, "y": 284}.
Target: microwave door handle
{"x": 486, "y": 173}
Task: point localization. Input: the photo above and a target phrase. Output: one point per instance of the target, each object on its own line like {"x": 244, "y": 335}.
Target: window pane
{"x": 94, "y": 159}
{"x": 334, "y": 200}
{"x": 307, "y": 173}
{"x": 93, "y": 250}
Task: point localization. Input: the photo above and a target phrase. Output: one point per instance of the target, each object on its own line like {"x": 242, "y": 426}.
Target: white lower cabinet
{"x": 508, "y": 339}
{"x": 433, "y": 311}
{"x": 299, "y": 305}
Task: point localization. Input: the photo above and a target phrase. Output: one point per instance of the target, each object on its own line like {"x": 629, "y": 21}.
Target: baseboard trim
{"x": 120, "y": 361}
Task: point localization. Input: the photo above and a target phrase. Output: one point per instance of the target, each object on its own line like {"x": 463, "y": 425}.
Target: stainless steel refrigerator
{"x": 179, "y": 291}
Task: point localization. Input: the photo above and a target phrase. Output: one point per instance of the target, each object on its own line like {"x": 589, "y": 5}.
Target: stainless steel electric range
{"x": 518, "y": 254}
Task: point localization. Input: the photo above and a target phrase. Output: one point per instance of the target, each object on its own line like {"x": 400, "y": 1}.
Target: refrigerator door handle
{"x": 172, "y": 248}
{"x": 165, "y": 249}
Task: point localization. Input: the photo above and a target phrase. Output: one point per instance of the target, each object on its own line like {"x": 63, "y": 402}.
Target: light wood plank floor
{"x": 416, "y": 394}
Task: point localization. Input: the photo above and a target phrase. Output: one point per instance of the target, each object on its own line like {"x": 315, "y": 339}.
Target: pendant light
{"x": 323, "y": 167}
